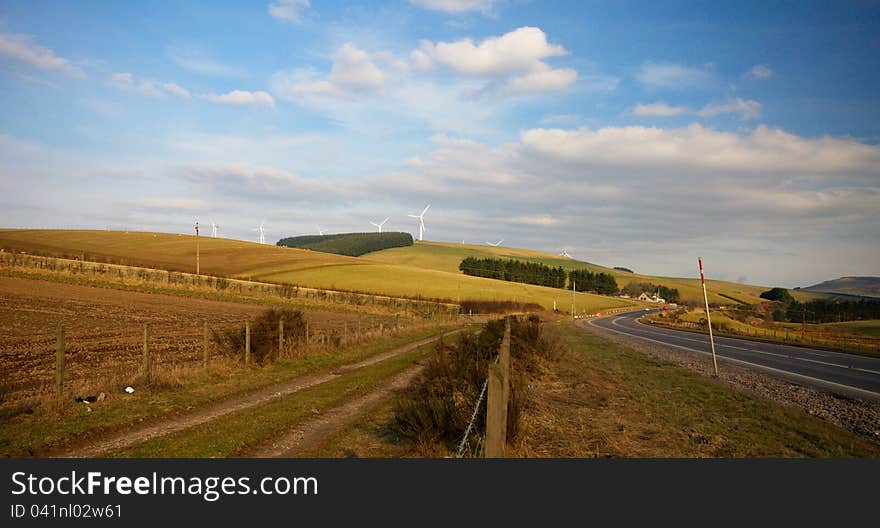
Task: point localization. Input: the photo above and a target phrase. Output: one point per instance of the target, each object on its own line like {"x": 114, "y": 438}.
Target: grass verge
{"x": 232, "y": 434}
{"x": 608, "y": 400}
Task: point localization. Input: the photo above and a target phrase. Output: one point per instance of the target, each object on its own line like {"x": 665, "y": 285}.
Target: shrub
{"x": 778, "y": 294}
{"x": 439, "y": 405}
{"x": 264, "y": 335}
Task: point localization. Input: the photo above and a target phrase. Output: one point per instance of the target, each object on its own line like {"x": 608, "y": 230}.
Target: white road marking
{"x": 722, "y": 345}
{"x": 823, "y": 362}
{"x": 784, "y": 373}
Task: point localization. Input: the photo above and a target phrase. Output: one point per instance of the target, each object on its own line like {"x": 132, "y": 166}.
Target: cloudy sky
{"x": 638, "y": 134}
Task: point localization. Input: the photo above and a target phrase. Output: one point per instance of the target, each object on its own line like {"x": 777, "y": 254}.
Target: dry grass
{"x": 600, "y": 399}
{"x": 606, "y": 400}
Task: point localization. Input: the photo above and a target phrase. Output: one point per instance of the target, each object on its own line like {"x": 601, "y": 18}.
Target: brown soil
{"x": 104, "y": 331}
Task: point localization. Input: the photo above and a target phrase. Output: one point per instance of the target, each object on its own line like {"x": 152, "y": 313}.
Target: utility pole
{"x": 573, "y": 290}
{"x": 708, "y": 318}
{"x": 197, "y": 249}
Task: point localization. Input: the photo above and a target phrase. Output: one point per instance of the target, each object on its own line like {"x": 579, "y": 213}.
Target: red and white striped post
{"x": 708, "y": 318}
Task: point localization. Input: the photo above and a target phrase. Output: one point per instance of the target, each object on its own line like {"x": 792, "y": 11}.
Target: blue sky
{"x": 637, "y": 134}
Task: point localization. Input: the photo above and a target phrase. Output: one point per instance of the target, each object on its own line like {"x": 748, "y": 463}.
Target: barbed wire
{"x": 470, "y": 426}
{"x": 476, "y": 412}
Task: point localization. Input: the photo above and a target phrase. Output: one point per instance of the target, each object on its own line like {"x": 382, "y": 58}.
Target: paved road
{"x": 839, "y": 372}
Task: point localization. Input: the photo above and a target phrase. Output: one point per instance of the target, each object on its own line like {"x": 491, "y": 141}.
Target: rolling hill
{"x": 443, "y": 256}
{"x": 862, "y": 286}
{"x": 234, "y": 258}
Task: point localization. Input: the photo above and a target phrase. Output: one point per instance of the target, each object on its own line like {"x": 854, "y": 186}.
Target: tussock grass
{"x": 606, "y": 400}
{"x": 438, "y": 406}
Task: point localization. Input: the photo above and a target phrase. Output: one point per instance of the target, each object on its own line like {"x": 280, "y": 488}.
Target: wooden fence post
{"x": 496, "y": 413}
{"x": 280, "y": 336}
{"x": 205, "y": 345}
{"x": 146, "y": 366}
{"x": 59, "y": 368}
{"x": 307, "y": 332}
{"x": 247, "y": 342}
{"x": 504, "y": 362}
{"x": 499, "y": 394}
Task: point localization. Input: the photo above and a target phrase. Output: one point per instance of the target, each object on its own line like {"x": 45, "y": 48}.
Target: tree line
{"x": 587, "y": 281}
{"x": 820, "y": 310}
{"x": 539, "y": 274}
{"x": 351, "y": 244}
{"x": 514, "y": 271}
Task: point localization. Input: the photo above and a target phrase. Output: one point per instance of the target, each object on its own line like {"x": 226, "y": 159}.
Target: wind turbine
{"x": 380, "y": 224}
{"x": 320, "y": 231}
{"x": 262, "y": 232}
{"x": 421, "y": 218}
{"x": 496, "y": 244}
{"x": 214, "y": 228}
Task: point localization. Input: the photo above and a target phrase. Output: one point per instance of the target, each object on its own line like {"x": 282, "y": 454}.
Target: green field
{"x": 445, "y": 256}
{"x": 233, "y": 258}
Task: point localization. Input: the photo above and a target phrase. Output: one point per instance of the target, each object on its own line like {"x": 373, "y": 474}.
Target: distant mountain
{"x": 864, "y": 286}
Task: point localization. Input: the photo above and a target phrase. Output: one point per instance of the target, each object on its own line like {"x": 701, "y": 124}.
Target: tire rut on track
{"x": 301, "y": 437}
{"x": 232, "y": 404}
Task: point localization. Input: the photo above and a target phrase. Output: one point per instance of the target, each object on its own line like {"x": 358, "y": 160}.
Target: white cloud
{"x": 456, "y": 6}
{"x": 175, "y": 89}
{"x": 288, "y": 10}
{"x": 513, "y": 61}
{"x": 658, "y": 109}
{"x": 760, "y": 71}
{"x": 520, "y": 50}
{"x": 353, "y": 74}
{"x": 353, "y": 69}
{"x": 263, "y": 183}
{"x": 21, "y": 48}
{"x": 127, "y": 82}
{"x": 543, "y": 80}
{"x": 746, "y": 108}
{"x": 241, "y": 97}
{"x": 672, "y": 76}
{"x": 420, "y": 60}
{"x": 768, "y": 198}
{"x": 764, "y": 150}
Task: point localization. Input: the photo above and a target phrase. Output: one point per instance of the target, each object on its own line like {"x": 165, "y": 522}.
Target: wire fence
{"x": 111, "y": 357}
{"x": 88, "y": 270}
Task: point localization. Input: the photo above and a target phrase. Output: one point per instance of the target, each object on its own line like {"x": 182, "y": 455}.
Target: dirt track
{"x": 302, "y": 437}
{"x": 205, "y": 414}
